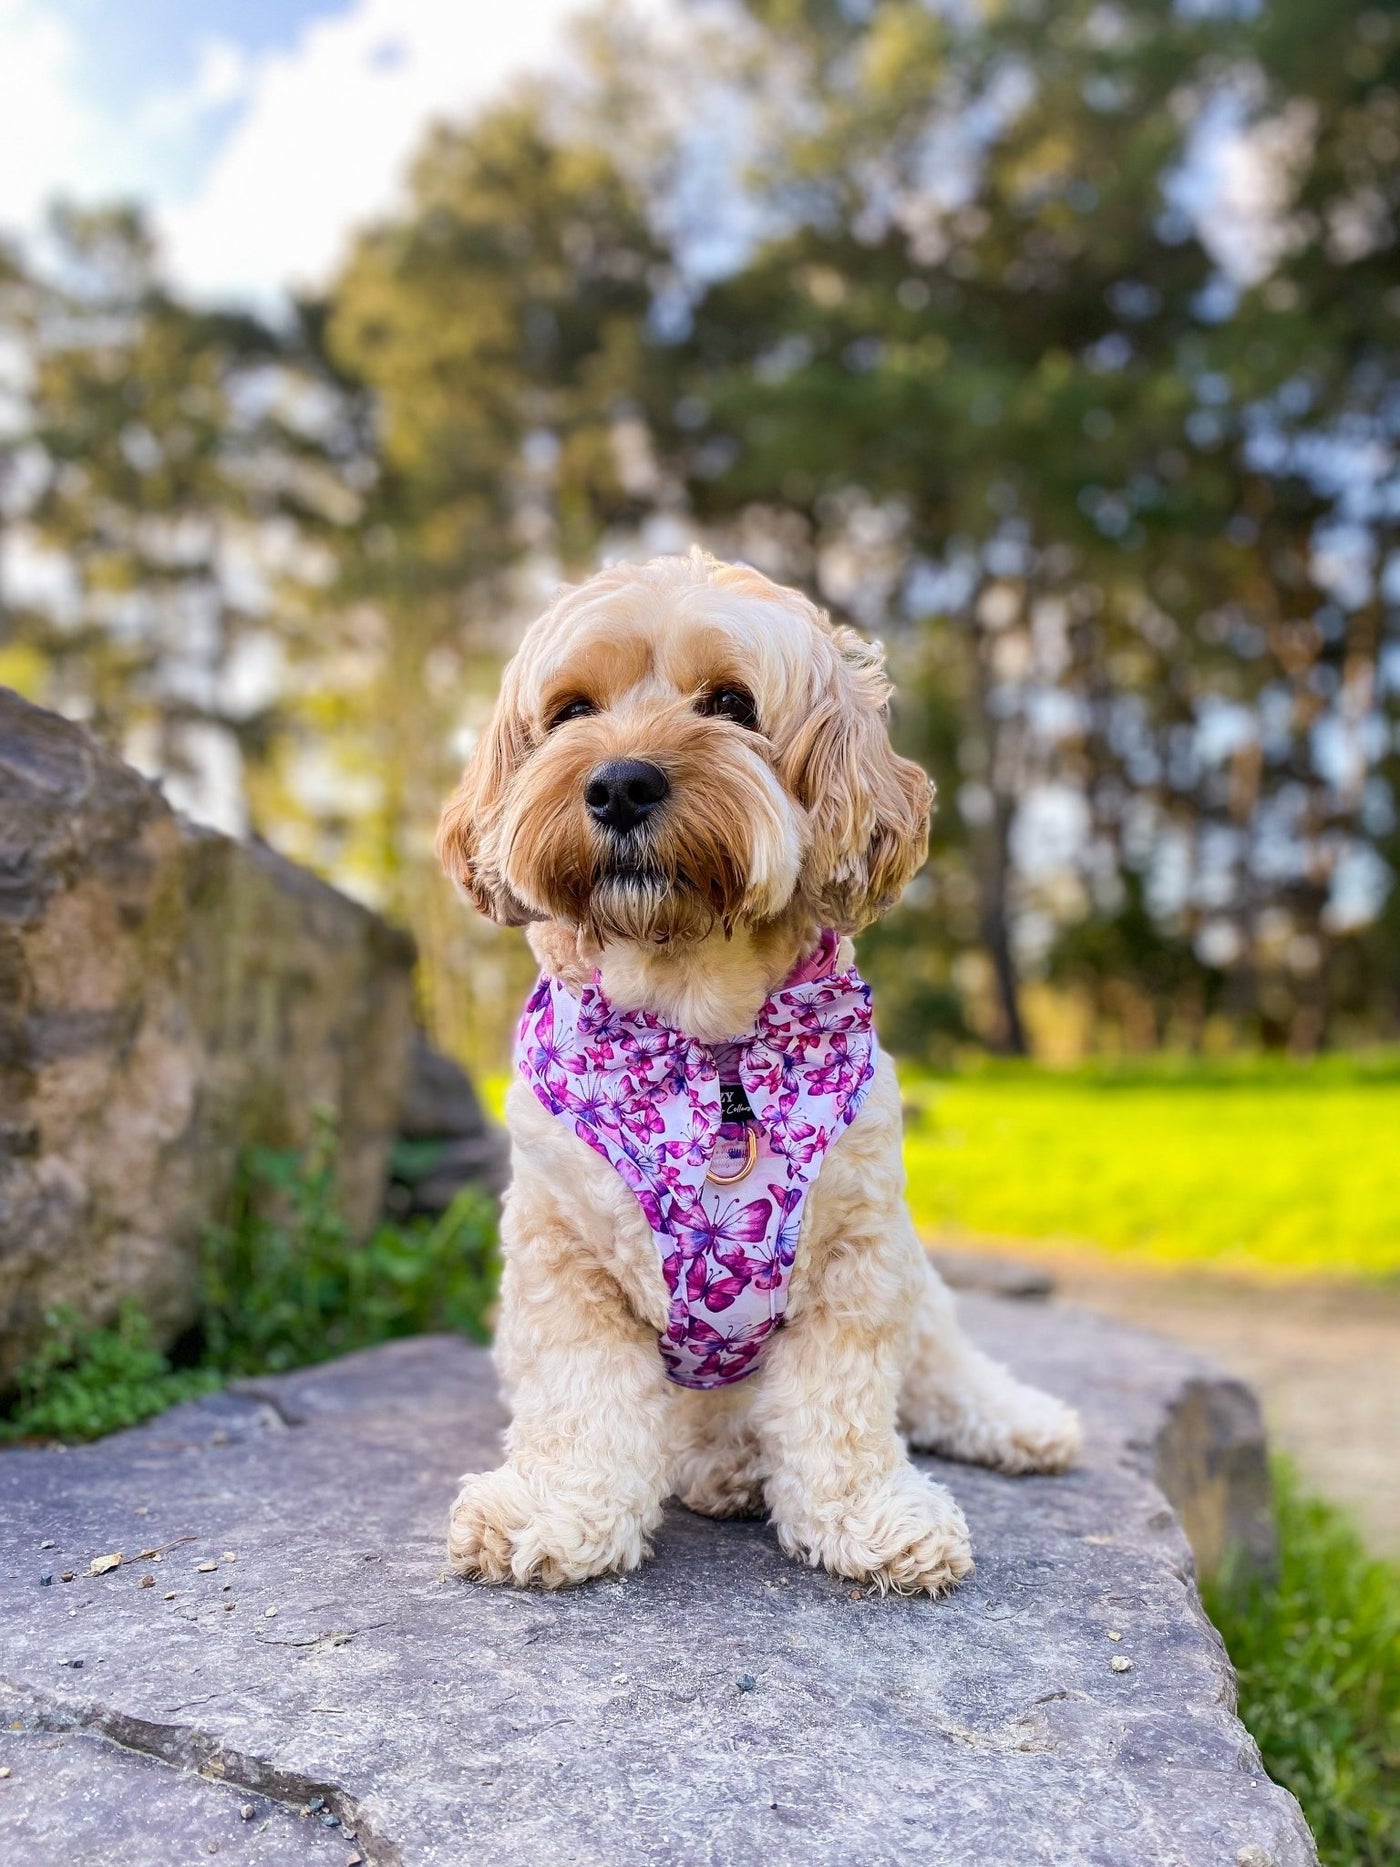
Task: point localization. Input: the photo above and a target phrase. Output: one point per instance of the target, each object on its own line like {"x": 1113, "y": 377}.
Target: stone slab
{"x": 721, "y": 1706}
{"x": 72, "y": 1797}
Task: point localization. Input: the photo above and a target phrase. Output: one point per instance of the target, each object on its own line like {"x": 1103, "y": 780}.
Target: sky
{"x": 260, "y": 132}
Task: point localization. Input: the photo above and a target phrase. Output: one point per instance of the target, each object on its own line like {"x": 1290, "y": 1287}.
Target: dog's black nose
{"x": 620, "y": 794}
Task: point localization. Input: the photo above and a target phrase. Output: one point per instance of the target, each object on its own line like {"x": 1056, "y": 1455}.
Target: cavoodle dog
{"x": 712, "y": 1287}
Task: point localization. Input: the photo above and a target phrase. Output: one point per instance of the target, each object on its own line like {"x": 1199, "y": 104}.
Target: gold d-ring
{"x": 732, "y": 1179}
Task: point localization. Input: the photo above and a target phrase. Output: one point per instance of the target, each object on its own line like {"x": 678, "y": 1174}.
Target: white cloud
{"x": 221, "y": 77}
{"x": 328, "y": 130}
{"x": 45, "y": 133}
{"x": 316, "y": 137}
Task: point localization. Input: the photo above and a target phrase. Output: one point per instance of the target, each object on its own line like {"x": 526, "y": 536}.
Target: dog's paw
{"x": 500, "y": 1530}
{"x": 724, "y": 1485}
{"x": 905, "y": 1535}
{"x": 1036, "y": 1434}
{"x": 1008, "y": 1426}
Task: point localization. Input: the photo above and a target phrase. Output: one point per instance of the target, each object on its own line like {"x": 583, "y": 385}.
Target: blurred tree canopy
{"x": 1055, "y": 345}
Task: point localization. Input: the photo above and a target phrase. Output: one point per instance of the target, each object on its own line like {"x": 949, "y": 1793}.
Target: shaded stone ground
{"x": 300, "y": 1682}
{"x": 1324, "y": 1360}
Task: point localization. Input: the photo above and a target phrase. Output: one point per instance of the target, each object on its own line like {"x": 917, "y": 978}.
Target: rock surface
{"x": 992, "y": 1272}
{"x": 166, "y": 996}
{"x": 446, "y": 1141}
{"x": 721, "y": 1706}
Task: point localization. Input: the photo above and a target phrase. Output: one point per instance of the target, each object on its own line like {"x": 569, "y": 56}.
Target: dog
{"x": 712, "y": 1288}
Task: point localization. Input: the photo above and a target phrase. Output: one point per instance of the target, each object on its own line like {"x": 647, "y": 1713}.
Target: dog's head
{"x": 682, "y": 745}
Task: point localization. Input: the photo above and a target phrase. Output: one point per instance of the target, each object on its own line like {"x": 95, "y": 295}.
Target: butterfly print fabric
{"x": 647, "y": 1098}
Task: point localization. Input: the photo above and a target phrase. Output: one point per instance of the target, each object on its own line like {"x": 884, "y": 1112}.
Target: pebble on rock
{"x": 205, "y": 1568}
{"x": 147, "y": 1581}
{"x": 747, "y": 1682}
{"x": 247, "y": 1811}
{"x": 1121, "y": 1663}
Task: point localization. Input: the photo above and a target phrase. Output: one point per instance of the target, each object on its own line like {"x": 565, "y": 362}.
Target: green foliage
{"x": 1318, "y": 1658}
{"x": 82, "y": 1383}
{"x": 1245, "y": 1164}
{"x": 1041, "y": 397}
{"x": 285, "y": 1285}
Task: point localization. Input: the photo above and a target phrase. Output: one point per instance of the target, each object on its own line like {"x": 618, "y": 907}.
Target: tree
{"x": 163, "y": 480}
{"x": 937, "y": 310}
{"x": 990, "y": 382}
{"x": 495, "y": 333}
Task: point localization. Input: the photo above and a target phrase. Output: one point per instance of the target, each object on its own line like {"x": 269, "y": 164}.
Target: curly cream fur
{"x": 824, "y": 824}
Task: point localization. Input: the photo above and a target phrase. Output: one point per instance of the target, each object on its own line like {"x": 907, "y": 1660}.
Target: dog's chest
{"x": 718, "y": 1145}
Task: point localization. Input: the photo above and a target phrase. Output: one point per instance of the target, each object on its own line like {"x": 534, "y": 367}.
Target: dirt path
{"x": 1324, "y": 1360}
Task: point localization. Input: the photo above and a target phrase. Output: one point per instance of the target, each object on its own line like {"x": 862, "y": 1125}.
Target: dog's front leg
{"x": 840, "y": 1489}
{"x": 586, "y": 1465}
{"x": 961, "y": 1403}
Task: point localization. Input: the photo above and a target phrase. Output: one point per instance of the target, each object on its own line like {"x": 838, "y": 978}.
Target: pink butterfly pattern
{"x": 646, "y": 1098}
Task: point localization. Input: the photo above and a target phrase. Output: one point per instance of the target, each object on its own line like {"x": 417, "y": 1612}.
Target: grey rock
{"x": 453, "y": 1144}
{"x": 1194, "y": 1430}
{"x": 446, "y": 1722}
{"x": 74, "y": 1799}
{"x": 167, "y": 995}
{"x": 481, "y": 1162}
{"x": 992, "y": 1273}
{"x": 439, "y": 1102}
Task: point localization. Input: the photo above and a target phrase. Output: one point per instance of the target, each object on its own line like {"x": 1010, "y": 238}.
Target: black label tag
{"x": 733, "y": 1103}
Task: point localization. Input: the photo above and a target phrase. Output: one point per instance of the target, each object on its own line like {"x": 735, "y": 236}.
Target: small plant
{"x": 83, "y": 1382}
{"x": 284, "y": 1284}
{"x": 1318, "y": 1657}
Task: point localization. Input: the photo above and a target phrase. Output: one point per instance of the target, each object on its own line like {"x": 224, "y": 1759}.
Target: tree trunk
{"x": 996, "y": 931}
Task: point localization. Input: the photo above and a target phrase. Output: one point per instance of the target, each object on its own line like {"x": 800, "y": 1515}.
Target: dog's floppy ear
{"x": 867, "y": 808}
{"x": 463, "y": 842}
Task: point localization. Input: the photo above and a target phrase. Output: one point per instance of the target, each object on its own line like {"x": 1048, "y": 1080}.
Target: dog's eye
{"x": 730, "y": 703}
{"x": 576, "y": 709}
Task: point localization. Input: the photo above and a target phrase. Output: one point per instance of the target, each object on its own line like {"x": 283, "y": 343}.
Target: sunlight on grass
{"x": 1266, "y": 1167}
{"x": 1249, "y": 1165}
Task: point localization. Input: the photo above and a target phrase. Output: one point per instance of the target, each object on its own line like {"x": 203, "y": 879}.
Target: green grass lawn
{"x": 1317, "y": 1650}
{"x": 1250, "y": 1166}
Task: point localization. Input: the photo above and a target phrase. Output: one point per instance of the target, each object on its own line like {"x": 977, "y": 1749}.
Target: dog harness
{"x": 720, "y": 1143}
